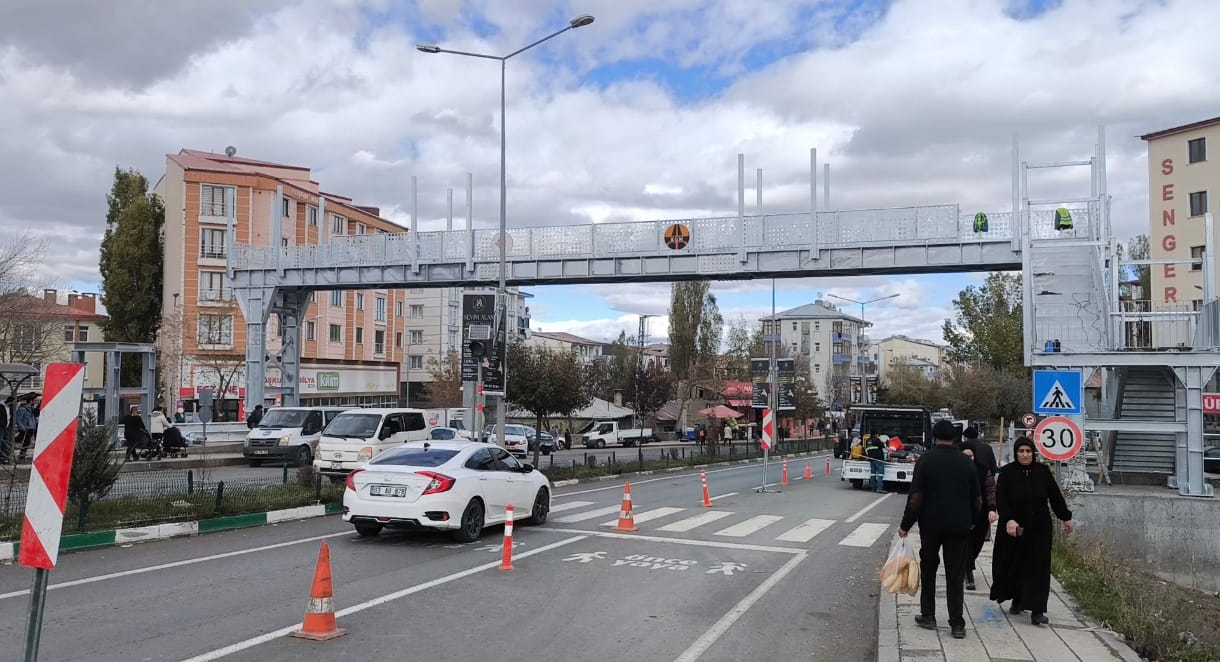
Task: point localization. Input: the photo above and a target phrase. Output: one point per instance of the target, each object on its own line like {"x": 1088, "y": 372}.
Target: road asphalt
{"x": 787, "y": 574}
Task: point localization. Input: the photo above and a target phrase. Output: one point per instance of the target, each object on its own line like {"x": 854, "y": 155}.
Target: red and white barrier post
{"x": 506, "y": 561}
{"x": 48, "y": 491}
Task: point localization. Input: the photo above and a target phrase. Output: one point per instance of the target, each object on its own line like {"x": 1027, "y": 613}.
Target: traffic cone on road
{"x": 784, "y": 480}
{"x": 626, "y": 521}
{"x": 506, "y": 563}
{"x": 827, "y": 465}
{"x": 319, "y": 623}
{"x": 707, "y": 499}
{"x": 808, "y": 471}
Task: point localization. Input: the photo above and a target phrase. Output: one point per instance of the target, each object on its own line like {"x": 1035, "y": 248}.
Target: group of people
{"x": 956, "y": 494}
{"x": 163, "y": 433}
{"x": 21, "y": 419}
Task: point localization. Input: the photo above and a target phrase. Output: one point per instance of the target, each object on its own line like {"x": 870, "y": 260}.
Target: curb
{"x": 97, "y": 539}
{"x": 649, "y": 472}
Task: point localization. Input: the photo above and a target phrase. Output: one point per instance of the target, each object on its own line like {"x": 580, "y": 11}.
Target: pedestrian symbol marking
{"x": 586, "y": 557}
{"x": 1058, "y": 392}
{"x": 677, "y": 236}
{"x": 1058, "y": 399}
{"x": 726, "y": 568}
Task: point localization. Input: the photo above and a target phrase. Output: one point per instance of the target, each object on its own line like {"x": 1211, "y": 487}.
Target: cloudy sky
{"x": 638, "y": 116}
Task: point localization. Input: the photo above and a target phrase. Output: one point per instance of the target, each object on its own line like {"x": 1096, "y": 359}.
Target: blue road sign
{"x": 1058, "y": 392}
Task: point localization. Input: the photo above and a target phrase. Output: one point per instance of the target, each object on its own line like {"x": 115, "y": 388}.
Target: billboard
{"x": 480, "y": 310}
{"x": 760, "y": 376}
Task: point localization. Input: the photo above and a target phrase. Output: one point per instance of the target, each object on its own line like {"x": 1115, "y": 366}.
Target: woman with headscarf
{"x": 1021, "y": 568}
{"x": 983, "y": 518}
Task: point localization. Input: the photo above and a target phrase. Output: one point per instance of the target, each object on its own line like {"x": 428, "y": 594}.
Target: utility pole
{"x": 639, "y": 366}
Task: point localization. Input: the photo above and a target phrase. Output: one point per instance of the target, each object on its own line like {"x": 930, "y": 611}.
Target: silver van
{"x": 288, "y": 434}
{"x": 358, "y": 435}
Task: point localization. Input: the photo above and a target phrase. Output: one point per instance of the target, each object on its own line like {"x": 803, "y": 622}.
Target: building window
{"x": 1197, "y": 305}
{"x": 398, "y": 339}
{"x": 417, "y": 337}
{"x": 379, "y": 309}
{"x": 1196, "y": 150}
{"x": 215, "y": 201}
{"x": 212, "y": 243}
{"x": 311, "y": 330}
{"x": 69, "y": 333}
{"x": 338, "y": 224}
{"x": 284, "y": 242}
{"x": 398, "y": 309}
{"x": 216, "y": 330}
{"x": 794, "y": 326}
{"x": 287, "y": 205}
{"x": 379, "y": 342}
{"x": 1198, "y": 203}
{"x": 817, "y": 368}
{"x": 817, "y": 326}
{"x": 416, "y": 362}
{"x": 359, "y": 301}
{"x": 212, "y": 286}
{"x": 417, "y": 311}
{"x": 417, "y": 290}
{"x": 359, "y": 335}
{"x": 361, "y": 228}
{"x": 1196, "y": 253}
{"x": 311, "y": 215}
{"x": 453, "y": 339}
{"x": 817, "y": 346}
{"x": 336, "y": 333}
{"x": 336, "y": 298}
{"x": 82, "y": 334}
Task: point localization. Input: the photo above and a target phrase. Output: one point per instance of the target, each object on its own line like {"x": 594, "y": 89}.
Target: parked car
{"x": 358, "y": 435}
{"x": 288, "y": 433}
{"x": 460, "y": 487}
{"x": 542, "y": 440}
{"x": 1211, "y": 460}
{"x": 516, "y": 438}
{"x": 608, "y": 432}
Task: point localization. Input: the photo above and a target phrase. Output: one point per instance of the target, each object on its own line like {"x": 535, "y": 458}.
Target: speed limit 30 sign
{"x": 1058, "y": 438}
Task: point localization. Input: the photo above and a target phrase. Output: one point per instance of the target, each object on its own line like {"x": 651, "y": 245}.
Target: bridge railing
{"x": 861, "y": 228}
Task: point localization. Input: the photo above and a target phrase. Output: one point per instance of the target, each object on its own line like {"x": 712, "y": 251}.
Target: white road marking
{"x": 648, "y": 515}
{"x": 559, "y": 508}
{"x": 699, "y": 520}
{"x": 707, "y": 639}
{"x": 687, "y": 541}
{"x": 865, "y": 535}
{"x": 721, "y": 496}
{"x": 176, "y": 564}
{"x": 375, "y": 602}
{"x": 867, "y": 508}
{"x": 580, "y": 517}
{"x": 743, "y": 529}
{"x": 806, "y": 531}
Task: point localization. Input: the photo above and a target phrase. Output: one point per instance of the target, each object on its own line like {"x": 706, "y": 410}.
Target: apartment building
{"x": 587, "y": 350}
{"x": 1180, "y": 182}
{"x": 924, "y": 356}
{"x": 37, "y": 331}
{"x": 352, "y": 341}
{"x": 833, "y": 343}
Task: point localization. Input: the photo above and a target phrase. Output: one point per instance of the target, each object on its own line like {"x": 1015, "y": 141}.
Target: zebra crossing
{"x": 722, "y": 523}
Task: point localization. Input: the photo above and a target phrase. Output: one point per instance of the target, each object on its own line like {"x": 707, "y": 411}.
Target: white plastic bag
{"x": 900, "y": 574}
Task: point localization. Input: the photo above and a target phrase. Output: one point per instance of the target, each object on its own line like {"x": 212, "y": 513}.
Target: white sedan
{"x": 458, "y": 486}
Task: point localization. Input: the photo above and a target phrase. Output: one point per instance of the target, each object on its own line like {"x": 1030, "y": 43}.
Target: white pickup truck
{"x": 912, "y": 425}
{"x": 603, "y": 433}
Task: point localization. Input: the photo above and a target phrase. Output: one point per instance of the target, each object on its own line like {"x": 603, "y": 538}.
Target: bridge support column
{"x": 256, "y": 304}
{"x": 1188, "y": 464}
{"x": 290, "y": 307}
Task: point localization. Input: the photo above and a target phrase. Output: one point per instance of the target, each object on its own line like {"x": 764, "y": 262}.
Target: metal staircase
{"x": 1149, "y": 394}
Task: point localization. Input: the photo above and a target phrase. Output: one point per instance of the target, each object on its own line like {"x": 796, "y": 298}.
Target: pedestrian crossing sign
{"x": 1058, "y": 392}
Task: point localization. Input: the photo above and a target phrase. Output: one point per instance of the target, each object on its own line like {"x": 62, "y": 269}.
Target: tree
{"x": 546, "y": 383}
{"x": 743, "y": 343}
{"x": 131, "y": 260}
{"x": 695, "y": 327}
{"x": 218, "y": 363}
{"x": 656, "y": 387}
{"x": 445, "y": 389}
{"x": 973, "y": 392}
{"x": 905, "y": 385}
{"x": 94, "y": 468}
{"x": 987, "y": 329}
{"x": 30, "y": 330}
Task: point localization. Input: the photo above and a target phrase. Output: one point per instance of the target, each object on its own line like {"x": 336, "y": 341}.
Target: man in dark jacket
{"x": 874, "y": 450}
{"x": 944, "y": 498}
{"x": 984, "y": 454}
{"x": 255, "y": 417}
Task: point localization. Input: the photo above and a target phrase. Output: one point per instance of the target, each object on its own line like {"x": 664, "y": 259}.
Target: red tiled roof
{"x": 24, "y": 305}
{"x": 225, "y": 158}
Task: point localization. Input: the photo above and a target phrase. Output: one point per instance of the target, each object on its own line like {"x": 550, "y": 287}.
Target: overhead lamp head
{"x": 427, "y": 48}
{"x": 580, "y": 21}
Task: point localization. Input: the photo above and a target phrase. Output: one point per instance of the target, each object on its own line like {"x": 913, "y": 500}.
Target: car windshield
{"x": 353, "y": 425}
{"x": 284, "y": 418}
{"x": 415, "y": 457}
{"x": 443, "y": 433}
{"x": 604, "y": 428}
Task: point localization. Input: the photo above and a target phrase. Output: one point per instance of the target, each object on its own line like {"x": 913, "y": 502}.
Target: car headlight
{"x": 365, "y": 454}
{"x": 285, "y": 440}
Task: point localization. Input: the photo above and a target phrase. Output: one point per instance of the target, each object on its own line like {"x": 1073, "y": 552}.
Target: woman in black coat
{"x": 1021, "y": 567}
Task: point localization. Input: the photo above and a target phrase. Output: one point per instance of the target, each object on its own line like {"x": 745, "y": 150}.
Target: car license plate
{"x": 387, "y": 491}
{"x": 260, "y": 452}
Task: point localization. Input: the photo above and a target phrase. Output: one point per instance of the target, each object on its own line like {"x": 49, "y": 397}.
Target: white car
{"x": 449, "y": 434}
{"x": 516, "y": 438}
{"x": 453, "y": 485}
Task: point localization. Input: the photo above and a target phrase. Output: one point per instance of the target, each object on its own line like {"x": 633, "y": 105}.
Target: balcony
{"x": 221, "y": 295}
{"x": 842, "y": 358}
{"x": 379, "y": 349}
{"x": 212, "y": 252}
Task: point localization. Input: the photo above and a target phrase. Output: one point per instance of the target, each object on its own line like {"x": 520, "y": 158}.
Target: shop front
{"x": 320, "y": 384}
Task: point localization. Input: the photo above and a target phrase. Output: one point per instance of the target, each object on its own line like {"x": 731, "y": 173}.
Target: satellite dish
{"x": 230, "y": 150}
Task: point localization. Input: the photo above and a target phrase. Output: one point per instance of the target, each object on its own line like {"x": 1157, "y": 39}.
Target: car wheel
{"x": 254, "y": 463}
{"x": 542, "y": 507}
{"x": 304, "y": 457}
{"x": 366, "y": 529}
{"x": 472, "y": 522}
{"x": 601, "y": 443}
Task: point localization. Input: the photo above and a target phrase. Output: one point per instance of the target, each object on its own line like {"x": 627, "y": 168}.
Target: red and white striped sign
{"x": 52, "y": 465}
{"x": 768, "y": 429}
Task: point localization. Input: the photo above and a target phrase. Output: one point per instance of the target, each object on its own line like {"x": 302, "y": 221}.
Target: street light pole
{"x": 502, "y": 288}
{"x": 856, "y": 364}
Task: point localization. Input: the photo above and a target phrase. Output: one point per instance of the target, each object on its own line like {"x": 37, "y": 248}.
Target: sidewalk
{"x": 992, "y": 634}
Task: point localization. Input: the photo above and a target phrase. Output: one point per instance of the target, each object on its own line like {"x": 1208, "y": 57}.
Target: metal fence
{"x": 643, "y": 458}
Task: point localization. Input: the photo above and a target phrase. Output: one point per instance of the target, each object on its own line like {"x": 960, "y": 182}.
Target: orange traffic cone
{"x": 707, "y": 500}
{"x": 506, "y": 563}
{"x": 784, "y": 480}
{"x": 626, "y": 521}
{"x": 827, "y": 465}
{"x": 319, "y": 623}
{"x": 808, "y": 471}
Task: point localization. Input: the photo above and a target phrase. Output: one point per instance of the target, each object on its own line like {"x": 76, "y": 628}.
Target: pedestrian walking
{"x": 255, "y": 417}
{"x": 27, "y": 428}
{"x": 1026, "y": 494}
{"x": 985, "y": 517}
{"x": 158, "y": 423}
{"x": 983, "y": 451}
{"x": 943, "y": 498}
{"x": 134, "y": 432}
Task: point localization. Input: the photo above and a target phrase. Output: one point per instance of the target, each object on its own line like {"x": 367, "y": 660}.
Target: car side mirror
{"x": 526, "y": 468}
{"x": 385, "y": 434}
